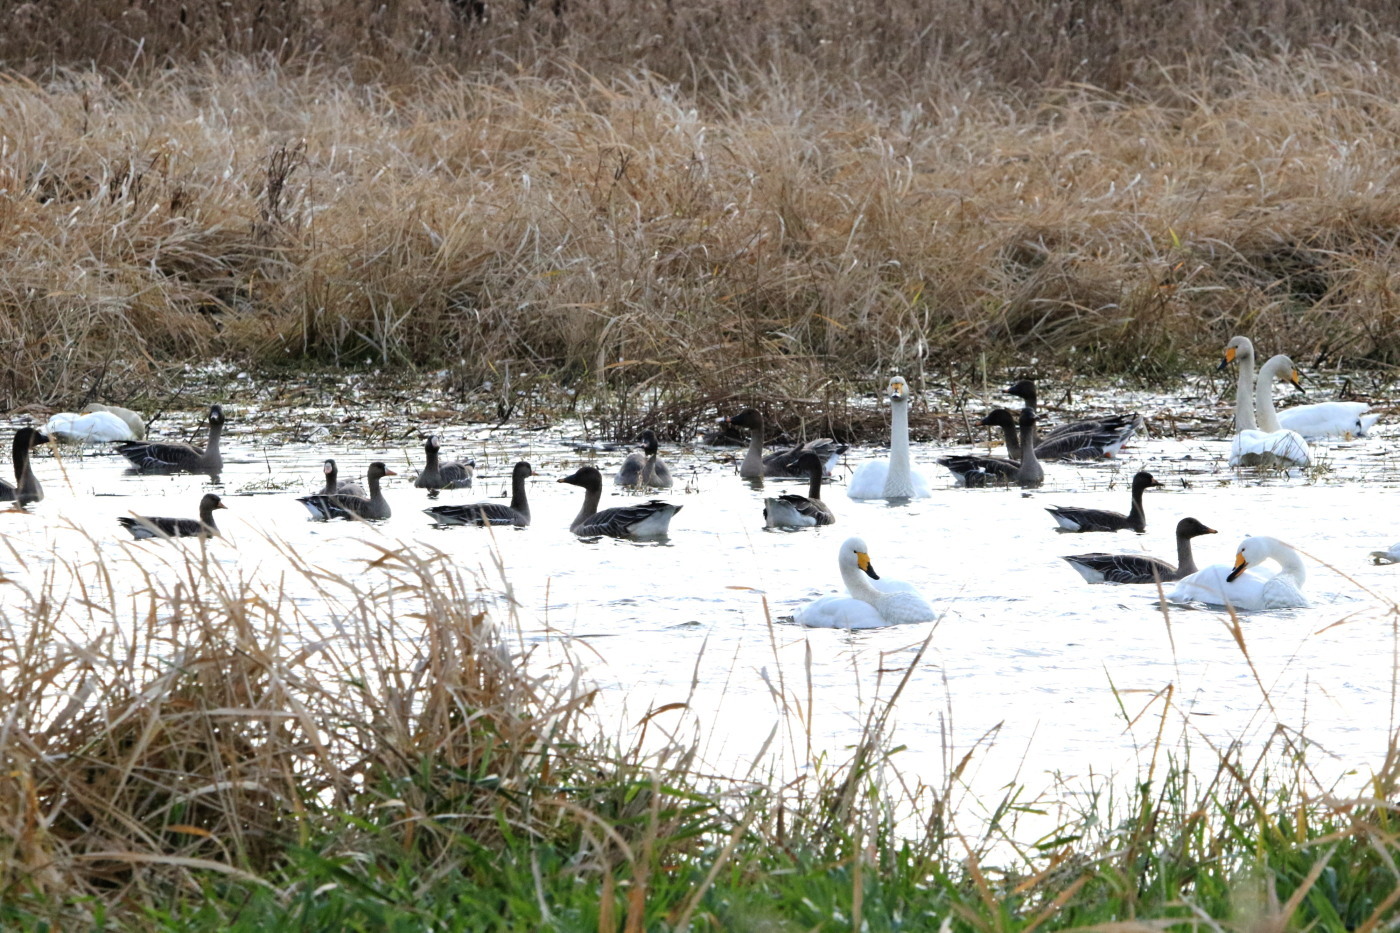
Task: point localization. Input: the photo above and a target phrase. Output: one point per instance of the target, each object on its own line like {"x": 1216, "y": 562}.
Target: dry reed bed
{"x": 614, "y": 231}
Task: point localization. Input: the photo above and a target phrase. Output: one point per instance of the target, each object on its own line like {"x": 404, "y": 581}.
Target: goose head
{"x": 328, "y": 468}
{"x": 1192, "y": 528}
{"x": 431, "y": 443}
{"x": 588, "y": 477}
{"x": 999, "y": 418}
{"x": 855, "y": 556}
{"x": 648, "y": 441}
{"x": 210, "y": 502}
{"x": 1144, "y": 480}
{"x": 377, "y": 470}
{"x": 216, "y": 415}
{"x": 748, "y": 418}
{"x": 523, "y": 470}
{"x": 1239, "y": 348}
{"x": 1023, "y": 389}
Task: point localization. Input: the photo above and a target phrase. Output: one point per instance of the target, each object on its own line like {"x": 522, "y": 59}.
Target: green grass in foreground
{"x": 227, "y": 771}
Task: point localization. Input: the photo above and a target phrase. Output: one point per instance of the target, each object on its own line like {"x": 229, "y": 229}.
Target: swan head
{"x": 898, "y": 389}
{"x": 1282, "y": 365}
{"x": 1024, "y": 389}
{"x": 1239, "y": 348}
{"x": 1254, "y": 551}
{"x": 1192, "y": 528}
{"x": 854, "y": 555}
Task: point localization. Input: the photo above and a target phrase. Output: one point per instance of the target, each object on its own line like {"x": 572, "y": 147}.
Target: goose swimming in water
{"x": 143, "y": 526}
{"x": 794, "y": 511}
{"x": 491, "y": 513}
{"x": 1139, "y": 568}
{"x": 1078, "y": 519}
{"x": 644, "y": 469}
{"x": 644, "y": 520}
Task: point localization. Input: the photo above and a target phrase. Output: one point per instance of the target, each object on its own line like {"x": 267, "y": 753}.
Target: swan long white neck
{"x": 1264, "y": 393}
{"x": 1244, "y": 391}
{"x": 859, "y": 585}
{"x": 899, "y": 481}
{"x": 1290, "y": 564}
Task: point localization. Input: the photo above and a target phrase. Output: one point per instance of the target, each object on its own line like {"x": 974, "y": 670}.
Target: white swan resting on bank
{"x": 873, "y": 602}
{"x": 893, "y": 478}
{"x": 1238, "y": 587}
{"x": 1270, "y": 444}
{"x": 1329, "y": 419}
{"x": 94, "y": 427}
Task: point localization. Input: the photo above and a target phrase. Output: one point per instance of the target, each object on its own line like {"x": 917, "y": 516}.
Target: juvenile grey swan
{"x": 491, "y": 513}
{"x": 794, "y": 511}
{"x": 1139, "y": 568}
{"x": 644, "y": 520}
{"x": 150, "y": 457}
{"x": 454, "y": 474}
{"x": 26, "y": 488}
{"x": 645, "y": 468}
{"x": 375, "y": 506}
{"x": 1077, "y": 519}
{"x": 144, "y": 526}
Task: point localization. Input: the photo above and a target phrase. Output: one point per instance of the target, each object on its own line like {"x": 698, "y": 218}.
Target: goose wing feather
{"x": 647, "y": 519}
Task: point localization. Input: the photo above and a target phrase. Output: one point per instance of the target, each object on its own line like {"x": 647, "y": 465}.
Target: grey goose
{"x": 371, "y": 507}
{"x": 152, "y": 457}
{"x": 491, "y": 513}
{"x": 145, "y": 526}
{"x": 1139, "y": 568}
{"x": 644, "y": 520}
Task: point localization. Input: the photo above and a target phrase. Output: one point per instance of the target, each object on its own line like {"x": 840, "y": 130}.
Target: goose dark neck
{"x": 206, "y": 515}
{"x": 432, "y": 457}
{"x": 517, "y": 492}
{"x": 1137, "y": 516}
{"x": 374, "y": 478}
{"x": 216, "y": 430}
{"x": 592, "y": 494}
{"x": 1185, "y": 558}
{"x": 1008, "y": 434}
{"x": 1030, "y": 472}
{"x": 331, "y": 486}
{"x": 753, "y": 460}
{"x": 814, "y": 485}
{"x": 20, "y": 453}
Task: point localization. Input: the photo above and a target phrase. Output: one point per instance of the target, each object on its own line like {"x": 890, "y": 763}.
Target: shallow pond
{"x": 1028, "y": 666}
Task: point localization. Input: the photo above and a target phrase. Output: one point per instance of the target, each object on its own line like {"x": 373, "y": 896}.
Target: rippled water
{"x": 1024, "y": 650}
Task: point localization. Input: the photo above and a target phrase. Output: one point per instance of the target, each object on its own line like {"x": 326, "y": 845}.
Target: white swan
{"x": 1329, "y": 419}
{"x": 1391, "y": 556}
{"x": 92, "y": 428}
{"x": 871, "y": 604}
{"x": 1239, "y": 588}
{"x": 1241, "y": 350}
{"x": 1271, "y": 445}
{"x": 892, "y": 478}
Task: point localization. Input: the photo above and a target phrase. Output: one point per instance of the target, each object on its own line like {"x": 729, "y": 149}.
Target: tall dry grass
{"x": 675, "y": 207}
{"x": 209, "y": 755}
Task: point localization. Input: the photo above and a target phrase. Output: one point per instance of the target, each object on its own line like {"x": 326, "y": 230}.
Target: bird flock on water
{"x": 1263, "y": 437}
